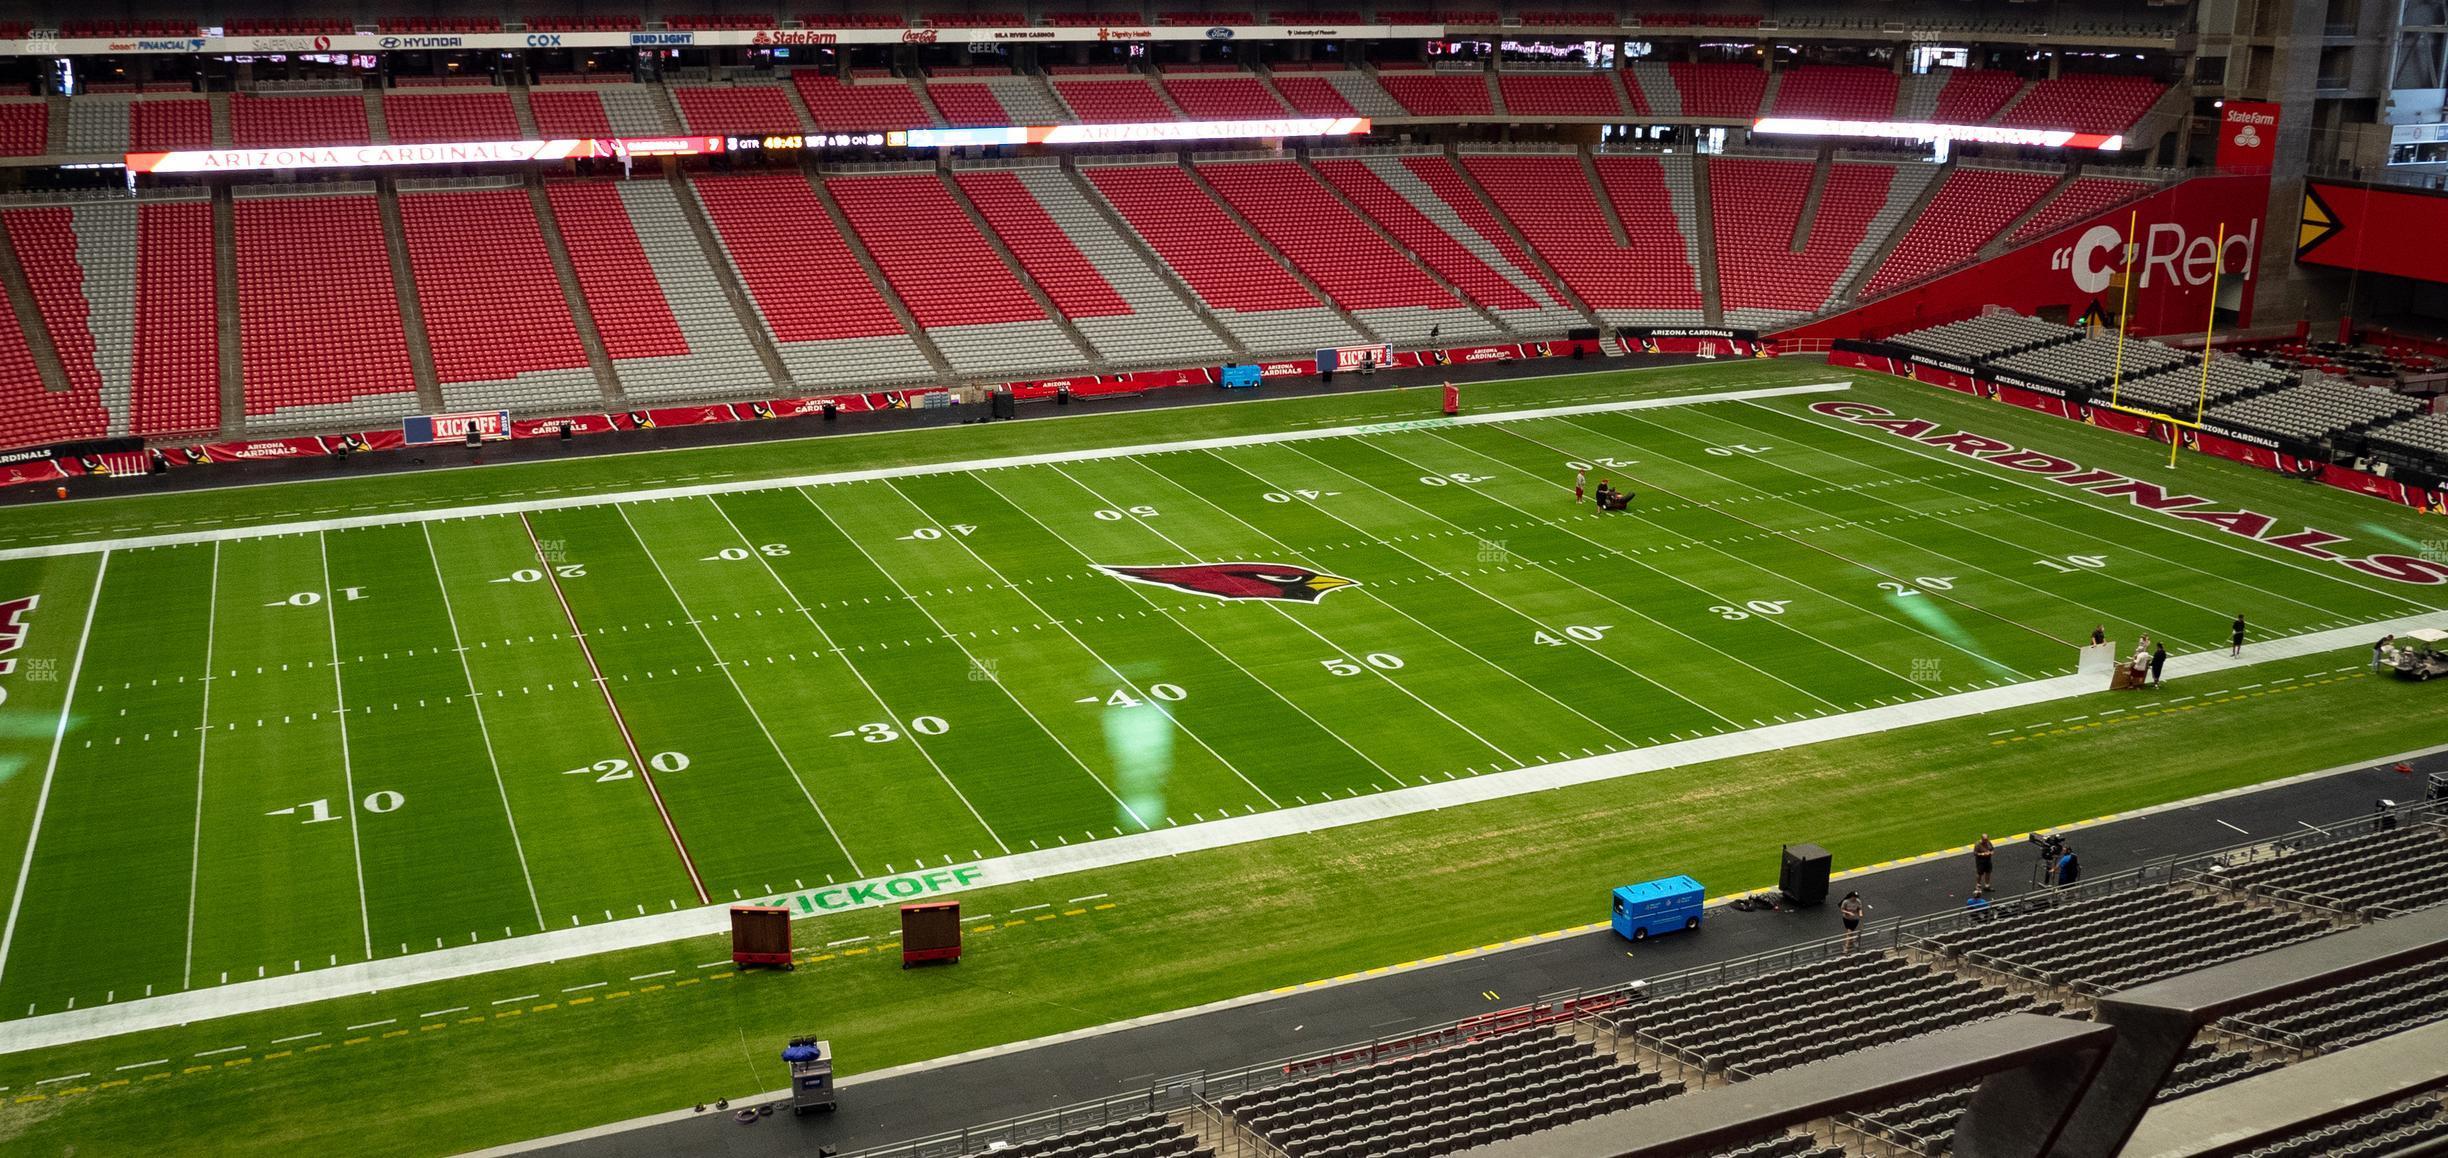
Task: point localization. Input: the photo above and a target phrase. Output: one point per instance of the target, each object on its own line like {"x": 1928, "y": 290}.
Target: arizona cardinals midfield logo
{"x": 1238, "y": 580}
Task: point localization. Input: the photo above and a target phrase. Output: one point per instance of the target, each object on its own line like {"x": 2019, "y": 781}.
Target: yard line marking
{"x": 637, "y": 761}
{"x": 2167, "y": 527}
{"x": 503, "y": 1001}
{"x": 916, "y": 738}
{"x": 2239, "y": 830}
{"x": 195, "y": 845}
{"x": 222, "y": 1050}
{"x": 448, "y": 1012}
{"x": 1899, "y": 476}
{"x": 963, "y": 467}
{"x": 1297, "y": 621}
{"x": 971, "y": 656}
{"x": 483, "y": 729}
{"x": 372, "y": 1024}
{"x": 159, "y": 1061}
{"x": 1089, "y": 897}
{"x": 588, "y": 985}
{"x": 73, "y": 1077}
{"x": 1872, "y": 611}
{"x": 348, "y": 772}
{"x": 59, "y": 740}
{"x": 1170, "y": 614}
{"x": 652, "y": 976}
{"x": 287, "y": 1040}
{"x": 788, "y": 765}
{"x": 1460, "y": 529}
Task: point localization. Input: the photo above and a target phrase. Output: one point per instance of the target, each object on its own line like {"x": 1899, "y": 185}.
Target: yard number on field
{"x": 1932, "y": 582}
{"x": 1288, "y": 496}
{"x": 1344, "y": 665}
{"x": 1754, "y": 607}
{"x": 1460, "y": 476}
{"x": 1122, "y": 697}
{"x": 886, "y": 733}
{"x": 1601, "y": 460}
{"x": 737, "y": 554}
{"x": 1738, "y": 448}
{"x": 534, "y": 575}
{"x": 318, "y": 811}
{"x": 2071, "y": 564}
{"x": 1142, "y": 511}
{"x": 1586, "y": 633}
{"x": 607, "y": 771}
{"x": 964, "y": 530}
{"x": 312, "y": 598}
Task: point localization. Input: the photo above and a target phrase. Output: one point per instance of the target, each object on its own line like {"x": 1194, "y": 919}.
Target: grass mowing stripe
{"x": 59, "y": 740}
{"x": 1847, "y": 630}
{"x": 1118, "y": 671}
{"x": 917, "y": 740}
{"x": 484, "y": 730}
{"x": 1865, "y": 679}
{"x": 348, "y": 770}
{"x": 1176, "y": 620}
{"x": 733, "y": 680}
{"x": 1550, "y": 571}
{"x": 2164, "y": 593}
{"x": 972, "y": 657}
{"x": 1806, "y": 544}
{"x": 1901, "y": 446}
{"x": 195, "y": 849}
{"x": 638, "y": 762}
{"x": 1621, "y": 740}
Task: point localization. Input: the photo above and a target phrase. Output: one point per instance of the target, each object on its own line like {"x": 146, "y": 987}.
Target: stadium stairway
{"x": 225, "y": 308}
{"x": 29, "y": 318}
{"x": 1477, "y": 319}
{"x": 1704, "y": 238}
{"x": 1135, "y": 270}
{"x": 1473, "y": 266}
{"x": 1484, "y": 205}
{"x": 378, "y": 123}
{"x": 710, "y": 251}
{"x": 883, "y": 285}
{"x": 219, "y": 104}
{"x": 581, "y": 312}
{"x": 1019, "y": 269}
{"x": 522, "y": 108}
{"x": 1258, "y": 238}
{"x": 2003, "y": 241}
{"x": 403, "y": 286}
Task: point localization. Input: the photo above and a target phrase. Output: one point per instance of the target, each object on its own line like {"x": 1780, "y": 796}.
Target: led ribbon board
{"x": 395, "y": 156}
{"x": 1924, "y": 131}
{"x": 1120, "y": 134}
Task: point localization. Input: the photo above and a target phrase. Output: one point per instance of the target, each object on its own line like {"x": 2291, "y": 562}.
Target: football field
{"x": 262, "y": 755}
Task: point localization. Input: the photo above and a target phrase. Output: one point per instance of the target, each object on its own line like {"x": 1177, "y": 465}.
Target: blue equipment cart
{"x": 1668, "y": 905}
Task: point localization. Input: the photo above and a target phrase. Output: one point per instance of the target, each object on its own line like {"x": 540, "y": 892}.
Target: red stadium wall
{"x": 2388, "y": 231}
{"x": 2073, "y": 269}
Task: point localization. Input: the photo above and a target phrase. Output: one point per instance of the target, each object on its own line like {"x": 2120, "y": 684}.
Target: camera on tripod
{"x": 2050, "y": 844}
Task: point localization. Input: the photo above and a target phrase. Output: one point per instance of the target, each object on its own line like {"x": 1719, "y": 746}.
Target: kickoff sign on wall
{"x": 426, "y": 429}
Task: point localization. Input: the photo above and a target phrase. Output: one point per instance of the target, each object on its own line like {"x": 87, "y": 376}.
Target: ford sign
{"x": 1219, "y": 34}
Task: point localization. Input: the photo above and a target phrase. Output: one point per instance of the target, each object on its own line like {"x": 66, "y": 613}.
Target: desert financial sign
{"x": 2311, "y": 543}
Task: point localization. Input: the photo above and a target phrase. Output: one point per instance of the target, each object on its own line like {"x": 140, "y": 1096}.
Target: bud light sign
{"x": 427, "y": 429}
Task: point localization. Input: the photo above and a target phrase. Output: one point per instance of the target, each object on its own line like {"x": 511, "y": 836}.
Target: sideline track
{"x": 87, "y": 1024}
{"x": 440, "y": 514}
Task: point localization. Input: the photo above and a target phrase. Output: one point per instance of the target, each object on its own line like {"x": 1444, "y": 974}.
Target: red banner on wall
{"x": 2072, "y": 272}
{"x": 2248, "y": 136}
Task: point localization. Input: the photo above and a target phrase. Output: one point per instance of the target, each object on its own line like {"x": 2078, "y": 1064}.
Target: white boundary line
{"x": 269, "y": 530}
{"x": 450, "y": 613}
{"x": 195, "y": 845}
{"x": 59, "y": 739}
{"x": 348, "y": 770}
{"x": 561, "y": 944}
{"x": 610, "y": 1129}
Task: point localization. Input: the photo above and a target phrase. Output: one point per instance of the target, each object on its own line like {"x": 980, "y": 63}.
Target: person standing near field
{"x": 2235, "y": 639}
{"x": 1851, "y": 908}
{"x": 2158, "y": 661}
{"x": 1984, "y": 855}
{"x": 1580, "y": 485}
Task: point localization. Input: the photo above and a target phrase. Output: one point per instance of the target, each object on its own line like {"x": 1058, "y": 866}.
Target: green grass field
{"x": 288, "y": 752}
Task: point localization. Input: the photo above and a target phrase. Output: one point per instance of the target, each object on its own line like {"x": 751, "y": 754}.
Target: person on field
{"x": 1580, "y": 485}
{"x": 1852, "y": 908}
{"x": 2099, "y": 634}
{"x": 2158, "y": 661}
{"x": 1605, "y": 488}
{"x": 1984, "y": 856}
{"x": 2235, "y": 637}
{"x": 2379, "y": 650}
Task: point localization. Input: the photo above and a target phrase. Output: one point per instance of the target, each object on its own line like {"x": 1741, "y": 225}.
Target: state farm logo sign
{"x": 2168, "y": 255}
{"x": 2248, "y": 137}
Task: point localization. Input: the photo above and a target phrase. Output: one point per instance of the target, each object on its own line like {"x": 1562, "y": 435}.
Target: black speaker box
{"x": 1804, "y": 878}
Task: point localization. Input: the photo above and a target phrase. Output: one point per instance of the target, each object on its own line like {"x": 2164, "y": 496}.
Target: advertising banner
{"x": 402, "y": 155}
{"x": 1354, "y": 357}
{"x": 426, "y": 429}
{"x": 45, "y": 42}
{"x": 2074, "y": 271}
{"x": 2399, "y": 232}
{"x": 2248, "y": 136}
